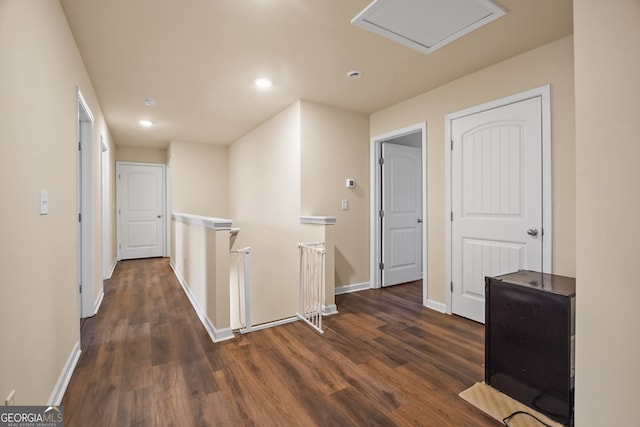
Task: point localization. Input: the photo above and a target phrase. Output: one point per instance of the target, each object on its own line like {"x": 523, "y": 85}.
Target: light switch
{"x": 345, "y": 204}
{"x": 44, "y": 202}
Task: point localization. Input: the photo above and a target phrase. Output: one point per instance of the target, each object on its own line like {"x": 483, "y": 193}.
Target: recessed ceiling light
{"x": 263, "y": 83}
{"x": 145, "y": 123}
{"x": 355, "y": 74}
{"x": 149, "y": 102}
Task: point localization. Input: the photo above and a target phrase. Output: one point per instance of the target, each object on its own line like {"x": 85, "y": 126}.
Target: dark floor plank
{"x": 384, "y": 360}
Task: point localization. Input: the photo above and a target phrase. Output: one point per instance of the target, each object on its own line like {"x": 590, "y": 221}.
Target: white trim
{"x": 105, "y": 174}
{"x": 544, "y": 92}
{"x": 205, "y": 221}
{"x": 269, "y": 324}
{"x": 376, "y": 204}
{"x": 329, "y": 310}
{"x": 98, "y": 303}
{"x": 113, "y": 268}
{"x": 85, "y": 206}
{"x": 217, "y": 335}
{"x": 167, "y": 211}
{"x": 324, "y": 220}
{"x": 356, "y": 287}
{"x": 437, "y": 306}
{"x": 55, "y": 399}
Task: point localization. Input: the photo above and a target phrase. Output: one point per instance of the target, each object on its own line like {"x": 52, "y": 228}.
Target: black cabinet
{"x": 529, "y": 340}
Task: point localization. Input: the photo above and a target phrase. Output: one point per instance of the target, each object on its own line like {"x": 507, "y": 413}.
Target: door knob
{"x": 532, "y": 232}
{"x": 159, "y": 216}
{"x": 419, "y": 220}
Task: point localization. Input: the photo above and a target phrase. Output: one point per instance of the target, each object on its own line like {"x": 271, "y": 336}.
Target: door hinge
{"x": 79, "y": 217}
{"x": 381, "y": 213}
{"x": 80, "y": 287}
{"x": 381, "y": 266}
{"x": 451, "y": 286}
{"x": 119, "y": 246}
{"x": 451, "y": 216}
{"x": 381, "y": 161}
{"x": 79, "y": 145}
{"x": 452, "y": 145}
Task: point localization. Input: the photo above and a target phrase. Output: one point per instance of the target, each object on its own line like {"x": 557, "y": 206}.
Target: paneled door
{"x": 402, "y": 214}
{"x": 141, "y": 226}
{"x": 496, "y": 199}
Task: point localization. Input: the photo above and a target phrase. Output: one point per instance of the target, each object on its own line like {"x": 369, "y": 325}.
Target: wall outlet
{"x": 11, "y": 399}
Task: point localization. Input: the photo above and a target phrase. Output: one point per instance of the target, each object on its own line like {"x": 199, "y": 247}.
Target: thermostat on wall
{"x": 351, "y": 183}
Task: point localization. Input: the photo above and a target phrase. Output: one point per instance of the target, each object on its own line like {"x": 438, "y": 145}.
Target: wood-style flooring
{"x": 384, "y": 360}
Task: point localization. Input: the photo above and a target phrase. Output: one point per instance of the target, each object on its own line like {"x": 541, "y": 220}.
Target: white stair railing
{"x": 243, "y": 289}
{"x": 311, "y": 285}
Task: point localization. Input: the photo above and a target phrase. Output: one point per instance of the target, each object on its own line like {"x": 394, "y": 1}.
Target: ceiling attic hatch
{"x": 426, "y": 25}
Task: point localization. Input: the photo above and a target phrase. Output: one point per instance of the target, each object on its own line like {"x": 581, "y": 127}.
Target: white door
{"x": 402, "y": 217}
{"x": 141, "y": 210}
{"x": 496, "y": 199}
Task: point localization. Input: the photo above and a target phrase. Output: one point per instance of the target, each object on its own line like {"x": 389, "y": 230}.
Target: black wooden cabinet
{"x": 529, "y": 340}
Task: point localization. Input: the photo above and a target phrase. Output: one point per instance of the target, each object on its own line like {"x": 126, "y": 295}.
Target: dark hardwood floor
{"x": 384, "y": 360}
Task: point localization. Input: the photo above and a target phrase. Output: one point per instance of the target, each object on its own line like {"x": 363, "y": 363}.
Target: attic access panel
{"x": 426, "y": 25}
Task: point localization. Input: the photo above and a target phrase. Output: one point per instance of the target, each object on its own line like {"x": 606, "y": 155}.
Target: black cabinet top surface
{"x": 560, "y": 285}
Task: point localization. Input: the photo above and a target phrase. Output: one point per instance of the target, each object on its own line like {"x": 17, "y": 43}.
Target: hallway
{"x": 384, "y": 360}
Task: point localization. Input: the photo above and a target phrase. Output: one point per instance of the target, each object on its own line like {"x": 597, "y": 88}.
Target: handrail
{"x": 206, "y": 221}
{"x": 246, "y": 327}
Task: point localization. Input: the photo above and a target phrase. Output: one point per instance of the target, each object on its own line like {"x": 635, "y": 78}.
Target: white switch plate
{"x": 44, "y": 202}
{"x": 345, "y": 204}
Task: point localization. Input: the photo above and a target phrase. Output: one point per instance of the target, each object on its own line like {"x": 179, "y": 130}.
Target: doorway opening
{"x": 86, "y": 238}
{"x": 141, "y": 205}
{"x": 498, "y": 195}
{"x": 399, "y": 207}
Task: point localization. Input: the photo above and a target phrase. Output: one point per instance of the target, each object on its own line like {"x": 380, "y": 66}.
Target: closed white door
{"x": 496, "y": 199}
{"x": 402, "y": 214}
{"x": 140, "y": 210}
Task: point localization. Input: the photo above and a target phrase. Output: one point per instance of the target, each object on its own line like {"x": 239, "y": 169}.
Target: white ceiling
{"x": 199, "y": 59}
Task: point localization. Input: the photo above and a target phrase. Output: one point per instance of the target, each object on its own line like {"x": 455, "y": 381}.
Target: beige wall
{"x": 41, "y": 71}
{"x": 264, "y": 201}
{"x": 607, "y": 61}
{"x": 141, "y": 154}
{"x": 199, "y": 179}
{"x": 335, "y": 146}
{"x": 200, "y": 256}
{"x": 549, "y": 64}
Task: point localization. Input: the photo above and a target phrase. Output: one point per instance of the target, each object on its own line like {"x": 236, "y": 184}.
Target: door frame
{"x": 376, "y": 204}
{"x": 107, "y": 263}
{"x": 544, "y": 92}
{"x": 86, "y": 235}
{"x": 165, "y": 205}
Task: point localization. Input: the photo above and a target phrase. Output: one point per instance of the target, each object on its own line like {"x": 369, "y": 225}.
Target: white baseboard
{"x": 216, "y": 335}
{"x": 356, "y": 287}
{"x": 329, "y": 310}
{"x": 111, "y": 270}
{"x": 269, "y": 325}
{"x": 55, "y": 399}
{"x": 437, "y": 306}
{"x": 98, "y": 302}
